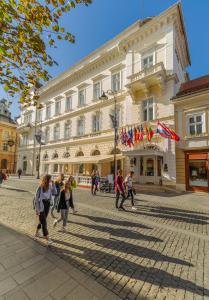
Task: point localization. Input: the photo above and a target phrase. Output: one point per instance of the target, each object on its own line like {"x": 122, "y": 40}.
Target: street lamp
{"x": 38, "y": 137}
{"x": 104, "y": 96}
{"x": 11, "y": 143}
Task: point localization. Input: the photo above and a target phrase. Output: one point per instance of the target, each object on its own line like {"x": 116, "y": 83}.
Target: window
{"x": 116, "y": 86}
{"x": 118, "y": 117}
{"x": 148, "y": 110}
{"x": 68, "y": 103}
{"x": 4, "y": 163}
{"x": 5, "y": 147}
{"x": 81, "y": 98}
{"x": 56, "y": 132}
{"x": 55, "y": 168}
{"x": 39, "y": 115}
{"x": 48, "y": 112}
{"x": 196, "y": 124}
{"x": 198, "y": 173}
{"x": 147, "y": 61}
{"x": 67, "y": 132}
{"x": 96, "y": 124}
{"x": 27, "y": 119}
{"x": 150, "y": 167}
{"x": 97, "y": 90}
{"x": 6, "y": 135}
{"x": 80, "y": 126}
{"x": 25, "y": 140}
{"x": 47, "y": 135}
{"x": 57, "y": 108}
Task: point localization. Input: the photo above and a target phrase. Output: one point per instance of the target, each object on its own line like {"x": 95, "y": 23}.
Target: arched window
{"x": 66, "y": 154}
{"x": 80, "y": 153}
{"x": 81, "y": 126}
{"x": 56, "y": 132}
{"x": 4, "y": 164}
{"x": 96, "y": 152}
{"x": 96, "y": 122}
{"x": 117, "y": 151}
{"x": 45, "y": 156}
{"x": 47, "y": 135}
{"x": 55, "y": 155}
{"x": 67, "y": 129}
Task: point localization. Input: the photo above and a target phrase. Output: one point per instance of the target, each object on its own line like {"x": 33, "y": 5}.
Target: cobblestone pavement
{"x": 161, "y": 251}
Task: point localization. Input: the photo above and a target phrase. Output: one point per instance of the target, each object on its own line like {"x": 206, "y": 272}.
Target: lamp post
{"x": 104, "y": 96}
{"x": 38, "y": 137}
{"x": 12, "y": 143}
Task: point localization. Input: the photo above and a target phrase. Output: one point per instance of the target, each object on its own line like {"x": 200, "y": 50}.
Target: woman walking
{"x": 43, "y": 198}
{"x": 63, "y": 206}
{"x": 93, "y": 182}
{"x": 73, "y": 185}
{"x": 59, "y": 183}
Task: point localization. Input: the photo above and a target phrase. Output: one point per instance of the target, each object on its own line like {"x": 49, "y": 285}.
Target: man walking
{"x": 119, "y": 189}
{"x": 129, "y": 184}
{"x": 19, "y": 172}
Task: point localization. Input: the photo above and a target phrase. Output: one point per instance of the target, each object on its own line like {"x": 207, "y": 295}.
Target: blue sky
{"x": 101, "y": 21}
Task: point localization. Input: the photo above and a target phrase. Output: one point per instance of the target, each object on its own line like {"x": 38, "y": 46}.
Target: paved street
{"x": 161, "y": 251}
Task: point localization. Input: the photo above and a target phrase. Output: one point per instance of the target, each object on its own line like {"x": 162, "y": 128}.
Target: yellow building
{"x": 192, "y": 124}
{"x": 8, "y": 139}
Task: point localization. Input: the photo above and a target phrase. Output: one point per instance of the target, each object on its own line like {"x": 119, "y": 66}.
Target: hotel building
{"x": 144, "y": 65}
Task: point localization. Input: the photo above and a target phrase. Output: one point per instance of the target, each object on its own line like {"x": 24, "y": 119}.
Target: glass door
{"x": 198, "y": 174}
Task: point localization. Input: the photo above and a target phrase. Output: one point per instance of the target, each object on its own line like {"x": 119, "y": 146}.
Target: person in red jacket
{"x": 119, "y": 189}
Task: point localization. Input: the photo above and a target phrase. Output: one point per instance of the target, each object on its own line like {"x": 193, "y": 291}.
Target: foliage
{"x": 27, "y": 29}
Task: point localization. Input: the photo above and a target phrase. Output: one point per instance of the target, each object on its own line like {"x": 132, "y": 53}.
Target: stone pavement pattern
{"x": 159, "y": 252}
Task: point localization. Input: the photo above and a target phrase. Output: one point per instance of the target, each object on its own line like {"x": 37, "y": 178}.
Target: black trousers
{"x": 71, "y": 201}
{"x": 118, "y": 194}
{"x": 42, "y": 218}
{"x": 130, "y": 194}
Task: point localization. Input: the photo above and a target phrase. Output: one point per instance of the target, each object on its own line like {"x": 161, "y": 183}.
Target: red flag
{"x": 149, "y": 133}
{"x": 166, "y": 132}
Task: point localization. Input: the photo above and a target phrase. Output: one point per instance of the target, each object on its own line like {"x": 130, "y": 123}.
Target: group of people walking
{"x": 59, "y": 193}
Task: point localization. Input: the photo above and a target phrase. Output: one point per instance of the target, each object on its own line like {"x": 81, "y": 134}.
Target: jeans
{"x": 130, "y": 193}
{"x": 118, "y": 193}
{"x": 42, "y": 218}
{"x": 64, "y": 216}
{"x": 54, "y": 206}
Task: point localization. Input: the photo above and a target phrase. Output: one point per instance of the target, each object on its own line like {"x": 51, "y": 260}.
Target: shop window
{"x": 81, "y": 169}
{"x": 159, "y": 164}
{"x": 198, "y": 173}
{"x": 150, "y": 167}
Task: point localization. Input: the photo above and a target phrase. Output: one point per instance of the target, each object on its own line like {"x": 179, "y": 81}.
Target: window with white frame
{"x": 47, "y": 134}
{"x": 118, "y": 117}
{"x": 39, "y": 115}
{"x": 147, "y": 61}
{"x": 56, "y": 132}
{"x": 25, "y": 139}
{"x": 57, "y": 107}
{"x": 196, "y": 123}
{"x": 68, "y": 103}
{"x": 97, "y": 90}
{"x": 28, "y": 119}
{"x": 48, "y": 112}
{"x": 116, "y": 81}
{"x": 67, "y": 129}
{"x": 148, "y": 110}
{"x": 96, "y": 122}
{"x": 81, "y": 98}
{"x": 81, "y": 126}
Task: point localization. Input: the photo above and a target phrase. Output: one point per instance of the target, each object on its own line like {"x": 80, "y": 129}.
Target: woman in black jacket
{"x": 64, "y": 204}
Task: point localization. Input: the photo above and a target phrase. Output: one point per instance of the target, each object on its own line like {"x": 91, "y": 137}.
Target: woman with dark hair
{"x": 43, "y": 198}
{"x": 59, "y": 183}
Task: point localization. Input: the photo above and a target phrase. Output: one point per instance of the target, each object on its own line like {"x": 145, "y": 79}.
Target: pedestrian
{"x": 73, "y": 185}
{"x": 19, "y": 172}
{"x": 97, "y": 182}
{"x": 43, "y": 198}
{"x": 119, "y": 189}
{"x": 59, "y": 183}
{"x": 2, "y": 177}
{"x": 129, "y": 184}
{"x": 93, "y": 181}
{"x": 63, "y": 205}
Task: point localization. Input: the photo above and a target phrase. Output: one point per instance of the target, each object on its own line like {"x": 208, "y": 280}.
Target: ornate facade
{"x": 144, "y": 65}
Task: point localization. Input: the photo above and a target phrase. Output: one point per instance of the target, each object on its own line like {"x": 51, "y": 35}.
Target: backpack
{"x": 34, "y": 198}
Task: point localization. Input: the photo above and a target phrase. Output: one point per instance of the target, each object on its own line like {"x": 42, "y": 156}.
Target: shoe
{"x": 50, "y": 242}
{"x": 55, "y": 223}
{"x": 75, "y": 212}
{"x": 121, "y": 207}
{"x": 134, "y": 208}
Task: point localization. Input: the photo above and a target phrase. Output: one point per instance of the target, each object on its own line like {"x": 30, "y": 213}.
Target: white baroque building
{"x": 145, "y": 65}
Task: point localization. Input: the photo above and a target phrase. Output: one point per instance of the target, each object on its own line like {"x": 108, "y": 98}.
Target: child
{"x": 64, "y": 204}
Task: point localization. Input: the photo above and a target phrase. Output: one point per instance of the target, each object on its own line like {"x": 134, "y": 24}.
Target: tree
{"x": 27, "y": 29}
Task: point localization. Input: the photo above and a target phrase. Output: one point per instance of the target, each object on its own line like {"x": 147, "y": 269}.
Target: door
{"x": 197, "y": 172}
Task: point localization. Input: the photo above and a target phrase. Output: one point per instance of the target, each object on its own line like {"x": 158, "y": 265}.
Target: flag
{"x": 141, "y": 133}
{"x": 135, "y": 135}
{"x": 149, "y": 133}
{"x": 130, "y": 137}
{"x": 166, "y": 132}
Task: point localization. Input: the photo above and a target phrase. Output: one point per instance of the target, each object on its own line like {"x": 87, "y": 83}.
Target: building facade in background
{"x": 192, "y": 125}
{"x": 144, "y": 66}
{"x": 8, "y": 139}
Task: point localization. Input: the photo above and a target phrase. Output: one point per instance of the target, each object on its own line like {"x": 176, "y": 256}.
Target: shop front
{"x": 196, "y": 171}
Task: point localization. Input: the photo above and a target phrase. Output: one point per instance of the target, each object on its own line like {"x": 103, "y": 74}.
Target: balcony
{"x": 146, "y": 80}
{"x": 24, "y": 127}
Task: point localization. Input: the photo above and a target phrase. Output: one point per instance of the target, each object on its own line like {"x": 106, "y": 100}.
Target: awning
{"x": 84, "y": 159}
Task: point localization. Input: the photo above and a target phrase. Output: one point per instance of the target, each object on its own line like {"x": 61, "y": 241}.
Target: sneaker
{"x": 134, "y": 208}
{"x": 55, "y": 223}
{"x": 121, "y": 207}
{"x": 49, "y": 242}
{"x": 75, "y": 212}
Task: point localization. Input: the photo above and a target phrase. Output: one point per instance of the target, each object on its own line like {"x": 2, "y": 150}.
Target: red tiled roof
{"x": 194, "y": 85}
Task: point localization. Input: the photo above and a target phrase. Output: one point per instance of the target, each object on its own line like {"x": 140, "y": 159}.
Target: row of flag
{"x": 132, "y": 136}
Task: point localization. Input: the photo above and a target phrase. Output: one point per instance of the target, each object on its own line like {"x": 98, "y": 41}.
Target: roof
{"x": 193, "y": 86}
